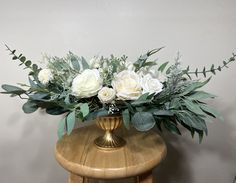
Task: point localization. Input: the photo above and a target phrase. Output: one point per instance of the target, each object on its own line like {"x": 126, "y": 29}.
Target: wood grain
{"x": 78, "y": 154}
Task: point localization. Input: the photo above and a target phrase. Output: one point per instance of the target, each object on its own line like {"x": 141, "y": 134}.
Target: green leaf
{"x": 213, "y": 69}
{"x": 84, "y": 63}
{"x": 56, "y": 110}
{"x": 39, "y": 95}
{"x": 204, "y": 72}
{"x": 30, "y": 107}
{"x": 35, "y": 67}
{"x": 157, "y": 112}
{"x": 193, "y": 86}
{"x": 10, "y": 89}
{"x": 70, "y": 121}
{"x": 23, "y": 59}
{"x": 200, "y": 95}
{"x": 195, "y": 108}
{"x": 143, "y": 97}
{"x": 196, "y": 72}
{"x": 28, "y": 63}
{"x": 211, "y": 111}
{"x": 84, "y": 108}
{"x": 168, "y": 70}
{"x": 170, "y": 126}
{"x": 75, "y": 63}
{"x": 32, "y": 83}
{"x": 143, "y": 121}
{"x": 95, "y": 114}
{"x": 61, "y": 128}
{"x": 163, "y": 66}
{"x": 126, "y": 118}
{"x": 14, "y": 57}
{"x": 149, "y": 64}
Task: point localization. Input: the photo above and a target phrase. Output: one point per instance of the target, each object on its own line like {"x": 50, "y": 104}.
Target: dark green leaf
{"x": 56, "y": 110}
{"x": 30, "y": 107}
{"x": 162, "y": 67}
{"x": 22, "y": 59}
{"x": 204, "y": 72}
{"x": 126, "y": 118}
{"x": 213, "y": 69}
{"x": 143, "y": 121}
{"x": 14, "y": 57}
{"x": 170, "y": 126}
{"x": 10, "y": 89}
{"x": 28, "y": 63}
{"x": 196, "y": 72}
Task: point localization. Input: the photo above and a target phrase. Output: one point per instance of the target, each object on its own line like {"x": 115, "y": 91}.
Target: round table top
{"x": 78, "y": 154}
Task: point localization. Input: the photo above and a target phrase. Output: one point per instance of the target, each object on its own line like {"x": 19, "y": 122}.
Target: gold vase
{"x": 109, "y": 141}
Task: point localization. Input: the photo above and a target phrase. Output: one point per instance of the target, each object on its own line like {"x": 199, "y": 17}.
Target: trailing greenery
{"x": 179, "y": 101}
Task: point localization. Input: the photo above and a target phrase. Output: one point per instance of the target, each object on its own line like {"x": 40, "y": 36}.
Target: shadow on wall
{"x": 178, "y": 164}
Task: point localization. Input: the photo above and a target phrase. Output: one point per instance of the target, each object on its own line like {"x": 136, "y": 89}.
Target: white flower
{"x": 127, "y": 85}
{"x": 106, "y": 95}
{"x": 151, "y": 85}
{"x": 87, "y": 84}
{"x": 129, "y": 66}
{"x": 45, "y": 75}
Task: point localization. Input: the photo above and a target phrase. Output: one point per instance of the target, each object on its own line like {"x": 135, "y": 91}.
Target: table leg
{"x": 144, "y": 178}
{"x": 77, "y": 179}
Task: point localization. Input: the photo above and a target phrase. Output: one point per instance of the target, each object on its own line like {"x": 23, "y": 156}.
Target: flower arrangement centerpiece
{"x": 140, "y": 94}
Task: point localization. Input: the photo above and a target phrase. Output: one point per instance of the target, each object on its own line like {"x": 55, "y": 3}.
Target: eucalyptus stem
{"x": 212, "y": 70}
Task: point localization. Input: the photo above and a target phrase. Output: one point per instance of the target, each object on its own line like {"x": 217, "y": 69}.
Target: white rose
{"x": 45, "y": 75}
{"x": 151, "y": 85}
{"x": 153, "y": 71}
{"x": 87, "y": 84}
{"x": 127, "y": 85}
{"x": 106, "y": 95}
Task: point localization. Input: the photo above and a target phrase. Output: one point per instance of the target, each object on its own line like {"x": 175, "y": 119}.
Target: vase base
{"x": 109, "y": 144}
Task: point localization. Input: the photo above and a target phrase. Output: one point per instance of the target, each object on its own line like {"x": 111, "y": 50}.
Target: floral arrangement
{"x": 146, "y": 93}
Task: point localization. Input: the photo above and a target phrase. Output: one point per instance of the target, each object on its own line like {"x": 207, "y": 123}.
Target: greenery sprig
{"x": 212, "y": 69}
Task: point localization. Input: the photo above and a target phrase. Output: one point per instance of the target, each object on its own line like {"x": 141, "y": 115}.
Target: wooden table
{"x": 78, "y": 155}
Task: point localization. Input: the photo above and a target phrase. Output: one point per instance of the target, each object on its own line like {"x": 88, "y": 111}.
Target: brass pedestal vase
{"x": 109, "y": 141}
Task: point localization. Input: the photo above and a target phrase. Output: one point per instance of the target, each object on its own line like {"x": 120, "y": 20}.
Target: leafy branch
{"x": 212, "y": 70}
{"x": 142, "y": 60}
{"x": 28, "y": 63}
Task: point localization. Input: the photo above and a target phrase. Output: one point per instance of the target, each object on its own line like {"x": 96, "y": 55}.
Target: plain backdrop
{"x": 204, "y": 32}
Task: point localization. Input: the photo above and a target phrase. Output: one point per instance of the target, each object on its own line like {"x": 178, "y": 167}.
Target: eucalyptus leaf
{"x": 193, "y": 107}
{"x": 30, "y": 107}
{"x": 163, "y": 66}
{"x": 143, "y": 121}
{"x": 10, "y": 89}
{"x": 61, "y": 128}
{"x": 70, "y": 121}
{"x": 172, "y": 127}
{"x": 84, "y": 63}
{"x": 212, "y": 112}
{"x": 126, "y": 118}
{"x": 200, "y": 95}
{"x": 84, "y": 108}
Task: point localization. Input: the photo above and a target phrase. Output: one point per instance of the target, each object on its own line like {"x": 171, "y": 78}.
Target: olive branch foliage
{"x": 181, "y": 103}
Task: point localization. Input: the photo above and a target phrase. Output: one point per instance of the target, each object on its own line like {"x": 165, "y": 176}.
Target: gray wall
{"x": 204, "y": 31}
